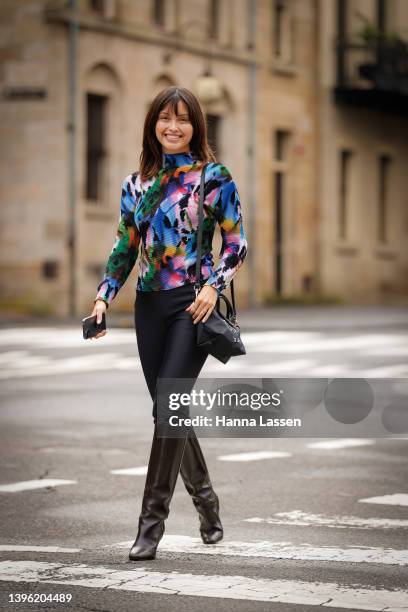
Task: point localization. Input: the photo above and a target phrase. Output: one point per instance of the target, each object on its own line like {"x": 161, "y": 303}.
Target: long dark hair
{"x": 151, "y": 158}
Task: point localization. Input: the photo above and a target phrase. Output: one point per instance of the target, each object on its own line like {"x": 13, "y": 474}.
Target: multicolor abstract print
{"x": 158, "y": 221}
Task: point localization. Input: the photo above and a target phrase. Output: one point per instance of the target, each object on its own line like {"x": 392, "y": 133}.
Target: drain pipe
{"x": 72, "y": 128}
{"x": 251, "y": 148}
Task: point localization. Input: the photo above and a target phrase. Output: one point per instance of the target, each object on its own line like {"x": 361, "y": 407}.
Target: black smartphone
{"x": 90, "y": 327}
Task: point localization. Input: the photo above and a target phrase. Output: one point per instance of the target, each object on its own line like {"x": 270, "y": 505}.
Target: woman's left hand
{"x": 204, "y": 304}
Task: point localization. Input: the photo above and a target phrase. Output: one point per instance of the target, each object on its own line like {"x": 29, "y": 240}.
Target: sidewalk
{"x": 260, "y": 319}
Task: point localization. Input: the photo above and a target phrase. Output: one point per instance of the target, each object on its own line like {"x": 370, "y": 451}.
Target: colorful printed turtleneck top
{"x": 158, "y": 221}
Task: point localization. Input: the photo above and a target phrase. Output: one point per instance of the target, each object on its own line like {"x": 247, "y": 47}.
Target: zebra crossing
{"x": 302, "y": 556}
{"x": 66, "y": 566}
{"x": 271, "y": 353}
{"x": 149, "y": 578}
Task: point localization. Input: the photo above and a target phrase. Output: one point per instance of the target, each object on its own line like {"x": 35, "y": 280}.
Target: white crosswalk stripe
{"x": 135, "y": 471}
{"x": 396, "y": 499}
{"x": 300, "y": 518}
{"x": 254, "y": 456}
{"x": 38, "y": 549}
{"x": 68, "y": 337}
{"x": 340, "y": 443}
{"x": 282, "y": 550}
{"x": 239, "y": 587}
{"x": 27, "y": 365}
{"x": 28, "y": 485}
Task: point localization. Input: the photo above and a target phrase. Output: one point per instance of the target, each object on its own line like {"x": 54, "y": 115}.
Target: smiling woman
{"x": 174, "y": 131}
{"x": 159, "y": 221}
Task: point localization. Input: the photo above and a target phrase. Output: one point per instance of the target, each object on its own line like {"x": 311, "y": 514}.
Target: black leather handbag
{"x": 220, "y": 335}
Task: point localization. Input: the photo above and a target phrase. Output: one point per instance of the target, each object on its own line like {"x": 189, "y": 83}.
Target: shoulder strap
{"x": 197, "y": 284}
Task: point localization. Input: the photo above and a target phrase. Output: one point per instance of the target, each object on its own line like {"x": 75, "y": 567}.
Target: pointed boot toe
{"x": 148, "y": 537}
{"x": 212, "y": 537}
{"x": 140, "y": 553}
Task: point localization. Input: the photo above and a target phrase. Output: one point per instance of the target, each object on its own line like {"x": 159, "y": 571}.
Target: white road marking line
{"x": 279, "y": 337}
{"x": 28, "y": 485}
{"x": 386, "y": 351}
{"x": 50, "y": 549}
{"x": 273, "y": 368}
{"x": 143, "y": 580}
{"x": 333, "y": 344}
{"x": 297, "y": 517}
{"x": 254, "y": 456}
{"x": 282, "y": 550}
{"x": 83, "y": 363}
{"x": 340, "y": 443}
{"x": 393, "y": 371}
{"x": 44, "y": 337}
{"x": 89, "y": 450}
{"x": 342, "y": 371}
{"x": 12, "y": 357}
{"x": 135, "y": 471}
{"x": 396, "y": 499}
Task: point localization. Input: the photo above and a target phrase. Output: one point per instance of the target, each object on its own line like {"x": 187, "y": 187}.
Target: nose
{"x": 173, "y": 124}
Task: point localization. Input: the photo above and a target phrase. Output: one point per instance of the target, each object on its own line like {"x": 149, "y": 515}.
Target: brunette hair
{"x": 151, "y": 158}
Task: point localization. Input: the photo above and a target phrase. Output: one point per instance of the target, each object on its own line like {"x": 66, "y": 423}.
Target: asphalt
{"x": 329, "y": 317}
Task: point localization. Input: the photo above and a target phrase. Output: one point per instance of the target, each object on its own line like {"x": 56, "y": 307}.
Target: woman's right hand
{"x": 99, "y": 308}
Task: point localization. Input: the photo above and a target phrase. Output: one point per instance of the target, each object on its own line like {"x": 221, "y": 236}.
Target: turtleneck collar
{"x": 174, "y": 160}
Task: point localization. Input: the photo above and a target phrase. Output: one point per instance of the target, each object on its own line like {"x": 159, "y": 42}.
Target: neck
{"x": 174, "y": 160}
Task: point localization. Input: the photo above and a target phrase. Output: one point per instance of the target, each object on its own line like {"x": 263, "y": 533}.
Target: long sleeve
{"x": 124, "y": 253}
{"x": 227, "y": 210}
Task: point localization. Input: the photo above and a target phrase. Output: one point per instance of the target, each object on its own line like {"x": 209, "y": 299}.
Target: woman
{"x": 159, "y": 213}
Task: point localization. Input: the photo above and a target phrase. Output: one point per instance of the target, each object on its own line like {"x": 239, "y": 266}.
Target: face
{"x": 174, "y": 132}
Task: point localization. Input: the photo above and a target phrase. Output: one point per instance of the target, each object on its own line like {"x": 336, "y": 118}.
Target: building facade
{"x": 319, "y": 172}
{"x": 363, "y": 120}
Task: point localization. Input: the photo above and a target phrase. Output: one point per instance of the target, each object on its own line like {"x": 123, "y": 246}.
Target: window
{"x": 214, "y": 18}
{"x": 159, "y": 12}
{"x": 50, "y": 268}
{"x": 95, "y": 146}
{"x": 345, "y": 161}
{"x": 281, "y": 144}
{"x": 213, "y": 129}
{"x": 381, "y": 16}
{"x": 98, "y": 6}
{"x": 105, "y": 8}
{"x": 282, "y": 30}
{"x": 280, "y": 207}
{"x": 384, "y": 172}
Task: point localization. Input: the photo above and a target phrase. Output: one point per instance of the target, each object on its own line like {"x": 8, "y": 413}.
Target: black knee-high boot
{"x": 164, "y": 465}
{"x": 197, "y": 481}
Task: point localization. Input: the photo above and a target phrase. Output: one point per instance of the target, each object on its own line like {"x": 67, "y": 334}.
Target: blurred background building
{"x": 306, "y": 104}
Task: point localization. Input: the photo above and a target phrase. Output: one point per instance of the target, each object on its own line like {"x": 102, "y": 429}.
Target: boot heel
{"x": 211, "y": 530}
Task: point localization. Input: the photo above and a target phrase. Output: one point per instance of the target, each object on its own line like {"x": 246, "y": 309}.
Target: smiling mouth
{"x": 172, "y": 136}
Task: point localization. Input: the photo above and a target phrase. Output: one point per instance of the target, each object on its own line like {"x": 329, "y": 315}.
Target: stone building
{"x": 318, "y": 160}
{"x": 363, "y": 135}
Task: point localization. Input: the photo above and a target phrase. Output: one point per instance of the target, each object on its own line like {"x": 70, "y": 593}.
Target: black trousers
{"x": 166, "y": 336}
